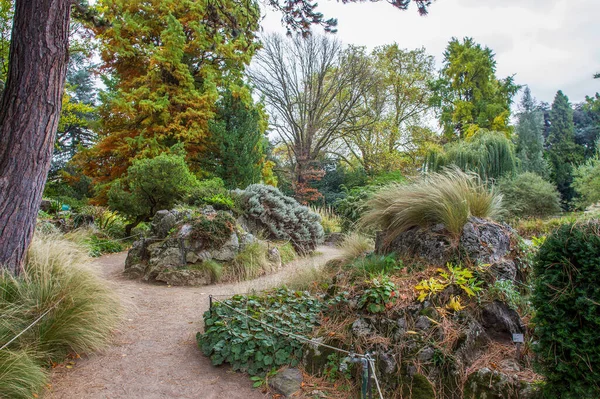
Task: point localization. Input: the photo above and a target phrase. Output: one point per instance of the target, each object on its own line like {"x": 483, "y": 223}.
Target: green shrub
{"x": 489, "y": 154}
{"x": 352, "y": 206}
{"x": 587, "y": 182}
{"x": 212, "y": 192}
{"x": 99, "y": 246}
{"x": 149, "y": 186}
{"x": 250, "y": 262}
{"x": 529, "y": 195}
{"x": 80, "y": 311}
{"x": 378, "y": 295}
{"x": 282, "y": 217}
{"x": 231, "y": 337}
{"x": 21, "y": 376}
{"x": 213, "y": 230}
{"x": 331, "y": 222}
{"x": 566, "y": 299}
{"x": 449, "y": 198}
{"x": 96, "y": 243}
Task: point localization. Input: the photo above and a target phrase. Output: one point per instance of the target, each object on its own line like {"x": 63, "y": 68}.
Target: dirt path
{"x": 154, "y": 354}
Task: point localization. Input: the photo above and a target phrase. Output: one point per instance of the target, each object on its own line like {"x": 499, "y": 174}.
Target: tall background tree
{"x": 392, "y": 130}
{"x": 29, "y": 113}
{"x": 563, "y": 153}
{"x": 237, "y": 144}
{"x": 529, "y": 136}
{"x": 166, "y": 61}
{"x": 311, "y": 88}
{"x": 469, "y": 94}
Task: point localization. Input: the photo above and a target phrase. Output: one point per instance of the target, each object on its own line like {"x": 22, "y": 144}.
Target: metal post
{"x": 210, "y": 300}
{"x": 365, "y": 378}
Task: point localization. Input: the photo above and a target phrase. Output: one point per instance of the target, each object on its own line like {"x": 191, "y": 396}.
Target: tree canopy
{"x": 469, "y": 94}
{"x": 165, "y": 62}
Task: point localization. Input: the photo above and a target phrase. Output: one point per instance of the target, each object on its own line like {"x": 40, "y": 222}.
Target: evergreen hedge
{"x": 567, "y": 303}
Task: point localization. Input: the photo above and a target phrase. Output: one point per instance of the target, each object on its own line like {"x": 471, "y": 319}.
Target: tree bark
{"x": 29, "y": 112}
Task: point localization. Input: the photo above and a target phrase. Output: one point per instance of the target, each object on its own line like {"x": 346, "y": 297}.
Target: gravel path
{"x": 154, "y": 354}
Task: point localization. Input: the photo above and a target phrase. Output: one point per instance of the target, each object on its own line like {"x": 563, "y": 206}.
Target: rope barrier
{"x": 289, "y": 334}
{"x": 372, "y": 364}
{"x": 32, "y": 324}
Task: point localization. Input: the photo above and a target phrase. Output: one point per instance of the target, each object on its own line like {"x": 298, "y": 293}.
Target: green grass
{"x": 250, "y": 262}
{"x": 82, "y": 311}
{"x": 21, "y": 376}
{"x": 214, "y": 268}
{"x": 449, "y": 198}
{"x": 96, "y": 242}
{"x": 287, "y": 252}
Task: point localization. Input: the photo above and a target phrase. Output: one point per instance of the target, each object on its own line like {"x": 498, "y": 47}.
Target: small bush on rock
{"x": 214, "y": 230}
{"x": 211, "y": 192}
{"x": 250, "y": 346}
{"x": 149, "y": 186}
{"x": 567, "y": 318}
{"x": 282, "y": 217}
{"x": 529, "y": 195}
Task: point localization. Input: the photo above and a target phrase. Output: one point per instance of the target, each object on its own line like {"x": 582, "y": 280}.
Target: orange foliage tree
{"x": 164, "y": 65}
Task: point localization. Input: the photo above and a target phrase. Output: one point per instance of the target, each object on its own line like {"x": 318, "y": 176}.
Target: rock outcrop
{"x": 182, "y": 242}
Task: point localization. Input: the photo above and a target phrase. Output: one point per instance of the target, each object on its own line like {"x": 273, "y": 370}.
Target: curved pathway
{"x": 154, "y": 354}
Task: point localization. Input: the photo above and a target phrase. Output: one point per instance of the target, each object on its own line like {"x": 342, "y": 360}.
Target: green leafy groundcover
{"x": 251, "y": 347}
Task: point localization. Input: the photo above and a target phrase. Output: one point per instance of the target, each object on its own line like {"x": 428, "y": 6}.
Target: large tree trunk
{"x": 29, "y": 113}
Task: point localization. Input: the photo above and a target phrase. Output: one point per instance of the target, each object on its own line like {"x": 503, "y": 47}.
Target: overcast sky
{"x": 548, "y": 44}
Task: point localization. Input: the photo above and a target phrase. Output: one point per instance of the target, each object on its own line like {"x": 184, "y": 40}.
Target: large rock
{"x": 227, "y": 251}
{"x": 481, "y": 241}
{"x": 287, "y": 382}
{"x": 500, "y": 321}
{"x": 484, "y": 241}
{"x": 429, "y": 245}
{"x": 488, "y": 384}
{"x": 163, "y": 255}
{"x": 164, "y": 221}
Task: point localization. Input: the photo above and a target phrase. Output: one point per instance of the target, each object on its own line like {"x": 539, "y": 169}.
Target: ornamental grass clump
{"x": 79, "y": 313}
{"x": 447, "y": 198}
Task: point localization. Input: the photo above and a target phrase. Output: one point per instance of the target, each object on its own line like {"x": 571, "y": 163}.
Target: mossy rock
{"x": 418, "y": 388}
{"x": 487, "y": 384}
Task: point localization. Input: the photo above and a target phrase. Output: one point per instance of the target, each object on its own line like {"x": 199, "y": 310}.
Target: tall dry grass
{"x": 355, "y": 245}
{"x": 82, "y": 310}
{"x": 449, "y": 198}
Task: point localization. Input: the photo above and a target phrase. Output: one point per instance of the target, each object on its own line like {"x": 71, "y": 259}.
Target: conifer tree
{"x": 237, "y": 150}
{"x": 563, "y": 153}
{"x": 530, "y": 139}
{"x": 166, "y": 62}
{"x": 468, "y": 92}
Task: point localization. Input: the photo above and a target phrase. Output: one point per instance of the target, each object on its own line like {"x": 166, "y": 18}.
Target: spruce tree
{"x": 563, "y": 153}
{"x": 530, "y": 139}
{"x": 238, "y": 142}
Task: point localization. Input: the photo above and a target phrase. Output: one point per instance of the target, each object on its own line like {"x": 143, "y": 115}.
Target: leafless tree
{"x": 312, "y": 88}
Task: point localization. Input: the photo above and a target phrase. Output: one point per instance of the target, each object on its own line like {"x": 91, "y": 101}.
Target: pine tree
{"x": 530, "y": 139}
{"x": 563, "y": 153}
{"x": 237, "y": 151}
